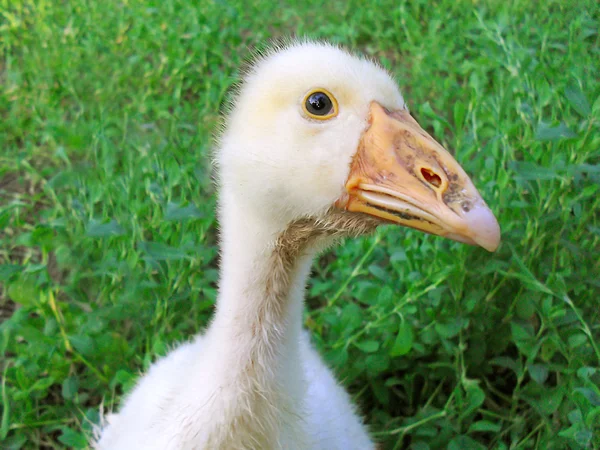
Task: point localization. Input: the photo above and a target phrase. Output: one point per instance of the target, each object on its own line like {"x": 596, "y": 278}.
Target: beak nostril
{"x": 431, "y": 177}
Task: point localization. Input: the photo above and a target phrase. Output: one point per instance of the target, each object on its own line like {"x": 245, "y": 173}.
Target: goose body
{"x": 329, "y": 420}
{"x": 318, "y": 145}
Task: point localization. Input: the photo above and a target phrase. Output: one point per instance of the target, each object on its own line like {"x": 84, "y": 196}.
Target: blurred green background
{"x": 108, "y": 236}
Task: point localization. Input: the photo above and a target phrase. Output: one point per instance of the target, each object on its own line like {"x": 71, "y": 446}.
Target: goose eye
{"x": 320, "y": 104}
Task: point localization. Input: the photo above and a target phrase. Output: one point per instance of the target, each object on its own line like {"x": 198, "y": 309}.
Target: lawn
{"x": 108, "y": 246}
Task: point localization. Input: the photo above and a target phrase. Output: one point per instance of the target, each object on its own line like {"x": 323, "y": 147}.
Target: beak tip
{"x": 490, "y": 246}
{"x": 485, "y": 227}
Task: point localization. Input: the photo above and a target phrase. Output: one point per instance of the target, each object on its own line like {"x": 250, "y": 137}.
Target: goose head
{"x": 315, "y": 130}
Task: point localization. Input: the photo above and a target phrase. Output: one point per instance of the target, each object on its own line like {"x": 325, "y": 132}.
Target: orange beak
{"x": 400, "y": 174}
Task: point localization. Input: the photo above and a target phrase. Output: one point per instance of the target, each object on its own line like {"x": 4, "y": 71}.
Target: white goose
{"x": 319, "y": 144}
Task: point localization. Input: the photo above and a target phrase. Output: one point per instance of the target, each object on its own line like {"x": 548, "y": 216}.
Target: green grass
{"x": 108, "y": 237}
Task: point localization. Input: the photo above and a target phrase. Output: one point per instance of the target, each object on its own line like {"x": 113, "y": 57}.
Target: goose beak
{"x": 400, "y": 174}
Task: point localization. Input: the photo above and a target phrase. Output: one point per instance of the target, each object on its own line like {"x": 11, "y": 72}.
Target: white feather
{"x": 274, "y": 166}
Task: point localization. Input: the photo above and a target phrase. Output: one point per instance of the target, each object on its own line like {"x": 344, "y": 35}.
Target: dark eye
{"x": 320, "y": 105}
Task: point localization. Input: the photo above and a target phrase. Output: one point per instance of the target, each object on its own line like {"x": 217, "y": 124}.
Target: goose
{"x": 317, "y": 145}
